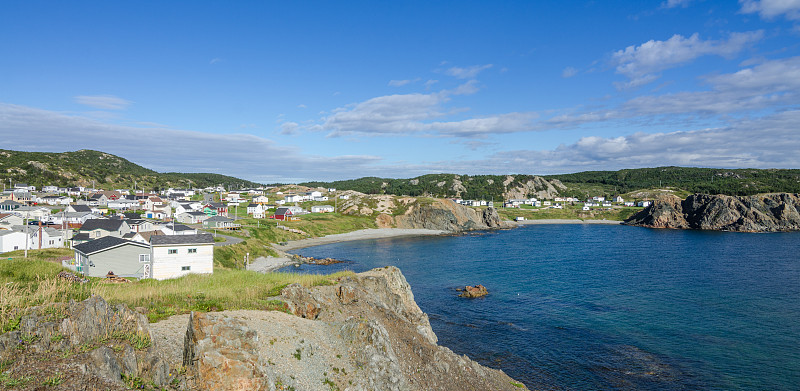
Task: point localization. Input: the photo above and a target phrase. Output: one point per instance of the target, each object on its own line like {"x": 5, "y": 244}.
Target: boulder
{"x": 474, "y": 291}
{"x": 221, "y": 353}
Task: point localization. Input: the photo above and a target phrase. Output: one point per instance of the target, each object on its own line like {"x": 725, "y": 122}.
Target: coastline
{"x": 567, "y": 221}
{"x": 269, "y": 264}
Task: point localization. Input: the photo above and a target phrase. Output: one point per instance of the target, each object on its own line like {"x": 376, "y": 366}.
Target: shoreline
{"x": 567, "y": 221}
{"x": 269, "y": 264}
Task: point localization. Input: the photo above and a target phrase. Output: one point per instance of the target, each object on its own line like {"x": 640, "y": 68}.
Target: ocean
{"x": 598, "y": 307}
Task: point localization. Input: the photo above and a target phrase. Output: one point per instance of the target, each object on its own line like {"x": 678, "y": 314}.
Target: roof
{"x": 283, "y": 211}
{"x": 218, "y": 218}
{"x": 104, "y": 243}
{"x": 104, "y": 224}
{"x": 81, "y": 208}
{"x": 81, "y": 236}
{"x": 166, "y": 240}
{"x": 180, "y": 227}
{"x": 195, "y": 213}
{"x": 253, "y": 205}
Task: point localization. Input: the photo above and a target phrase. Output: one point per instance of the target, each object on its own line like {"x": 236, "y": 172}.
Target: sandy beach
{"x": 566, "y": 221}
{"x": 268, "y": 264}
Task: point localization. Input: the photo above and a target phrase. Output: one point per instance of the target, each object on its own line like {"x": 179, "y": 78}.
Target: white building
{"x": 11, "y": 240}
{"x": 322, "y": 209}
{"x": 179, "y": 255}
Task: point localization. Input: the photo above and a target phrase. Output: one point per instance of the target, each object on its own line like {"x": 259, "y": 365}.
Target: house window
{"x": 97, "y": 234}
{"x": 185, "y": 268}
{"x": 192, "y": 251}
{"x": 172, "y": 251}
{"x": 143, "y": 258}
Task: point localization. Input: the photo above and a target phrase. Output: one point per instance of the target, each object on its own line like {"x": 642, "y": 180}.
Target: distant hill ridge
{"x": 104, "y": 170}
{"x": 582, "y": 184}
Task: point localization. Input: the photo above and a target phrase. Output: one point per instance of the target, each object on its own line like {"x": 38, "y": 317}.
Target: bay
{"x": 576, "y": 307}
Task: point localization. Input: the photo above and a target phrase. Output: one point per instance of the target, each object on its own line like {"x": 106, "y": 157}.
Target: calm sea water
{"x": 583, "y": 307}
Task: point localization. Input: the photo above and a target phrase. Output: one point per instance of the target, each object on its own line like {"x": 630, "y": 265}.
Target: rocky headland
{"x": 774, "y": 212}
{"x": 446, "y": 215}
{"x": 365, "y": 332}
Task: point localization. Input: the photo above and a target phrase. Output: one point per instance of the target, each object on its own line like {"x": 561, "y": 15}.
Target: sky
{"x": 298, "y": 91}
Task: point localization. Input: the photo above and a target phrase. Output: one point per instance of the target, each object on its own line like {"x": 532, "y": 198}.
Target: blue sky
{"x": 291, "y": 91}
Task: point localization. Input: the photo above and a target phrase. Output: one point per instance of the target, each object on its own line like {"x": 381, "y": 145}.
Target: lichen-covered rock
{"x": 220, "y": 353}
{"x": 760, "y": 213}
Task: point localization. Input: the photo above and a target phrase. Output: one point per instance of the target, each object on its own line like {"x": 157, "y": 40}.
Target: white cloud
{"x": 243, "y": 155}
{"x": 675, "y": 3}
{"x": 468, "y": 72}
{"x": 302, "y": 106}
{"x": 769, "y": 9}
{"x": 569, "y": 72}
{"x": 770, "y": 142}
{"x": 642, "y": 63}
{"x": 289, "y": 127}
{"x": 215, "y": 61}
{"x": 400, "y": 83}
{"x": 106, "y": 102}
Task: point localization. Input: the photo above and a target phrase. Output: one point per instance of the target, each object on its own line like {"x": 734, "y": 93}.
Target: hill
{"x": 602, "y": 183}
{"x": 478, "y": 187}
{"x": 99, "y": 169}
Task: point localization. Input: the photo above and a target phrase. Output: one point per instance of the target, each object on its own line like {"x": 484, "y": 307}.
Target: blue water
{"x": 585, "y": 307}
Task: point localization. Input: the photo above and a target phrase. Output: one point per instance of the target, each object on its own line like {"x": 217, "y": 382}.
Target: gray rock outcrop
{"x": 760, "y": 213}
{"x": 446, "y": 215}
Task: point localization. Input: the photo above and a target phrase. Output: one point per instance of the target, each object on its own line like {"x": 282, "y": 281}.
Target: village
{"x": 171, "y": 233}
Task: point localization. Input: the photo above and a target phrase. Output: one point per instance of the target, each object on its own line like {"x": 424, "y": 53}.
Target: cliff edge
{"x": 365, "y": 332}
{"x": 446, "y": 215}
{"x": 775, "y": 212}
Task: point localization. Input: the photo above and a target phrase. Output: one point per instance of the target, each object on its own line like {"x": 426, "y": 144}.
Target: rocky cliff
{"x": 366, "y": 332}
{"x": 760, "y": 213}
{"x": 447, "y": 215}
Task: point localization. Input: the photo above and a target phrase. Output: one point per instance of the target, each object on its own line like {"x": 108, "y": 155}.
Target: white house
{"x": 322, "y": 209}
{"x": 321, "y": 199}
{"x": 261, "y": 199}
{"x": 344, "y": 197}
{"x": 313, "y": 194}
{"x": 11, "y": 240}
{"x": 619, "y": 199}
{"x": 331, "y": 189}
{"x": 293, "y": 198}
{"x": 643, "y": 204}
{"x": 546, "y": 203}
{"x": 50, "y": 189}
{"x": 178, "y": 255}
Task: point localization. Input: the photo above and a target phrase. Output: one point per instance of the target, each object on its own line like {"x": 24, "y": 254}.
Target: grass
{"x": 47, "y": 254}
{"x": 518, "y": 385}
{"x": 223, "y": 290}
{"x": 28, "y": 283}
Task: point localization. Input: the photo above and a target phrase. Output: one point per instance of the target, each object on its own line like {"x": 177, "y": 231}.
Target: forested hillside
{"x": 99, "y": 169}
{"x": 693, "y": 180}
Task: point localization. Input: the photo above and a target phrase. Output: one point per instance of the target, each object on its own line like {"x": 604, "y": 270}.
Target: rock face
{"x": 760, "y": 213}
{"x": 87, "y": 344}
{"x": 365, "y": 332}
{"x": 447, "y": 215}
{"x": 537, "y": 187}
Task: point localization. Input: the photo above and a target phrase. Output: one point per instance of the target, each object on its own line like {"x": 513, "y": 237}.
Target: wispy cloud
{"x": 641, "y": 64}
{"x": 675, "y": 3}
{"x": 215, "y": 61}
{"x": 569, "y": 72}
{"x": 256, "y": 158}
{"x": 400, "y": 83}
{"x": 770, "y": 9}
{"x": 468, "y": 72}
{"x": 106, "y": 102}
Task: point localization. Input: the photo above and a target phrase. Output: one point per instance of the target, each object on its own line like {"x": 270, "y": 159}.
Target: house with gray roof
{"x": 124, "y": 258}
{"x": 220, "y": 222}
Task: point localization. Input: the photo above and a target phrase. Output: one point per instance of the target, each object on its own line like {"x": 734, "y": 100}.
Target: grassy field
{"x": 33, "y": 282}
